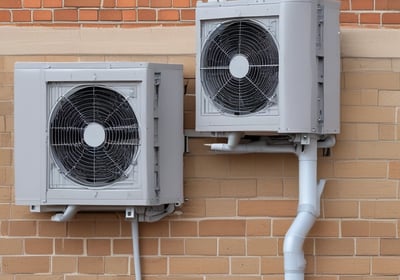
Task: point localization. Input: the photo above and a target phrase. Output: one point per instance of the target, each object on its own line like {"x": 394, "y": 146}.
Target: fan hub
{"x": 94, "y": 134}
{"x": 239, "y": 66}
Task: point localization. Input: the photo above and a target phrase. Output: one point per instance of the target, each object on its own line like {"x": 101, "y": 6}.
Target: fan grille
{"x": 239, "y": 67}
{"x": 93, "y": 136}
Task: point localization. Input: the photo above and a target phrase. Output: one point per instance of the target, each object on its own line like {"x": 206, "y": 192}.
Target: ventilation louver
{"x": 239, "y": 67}
{"x": 93, "y": 135}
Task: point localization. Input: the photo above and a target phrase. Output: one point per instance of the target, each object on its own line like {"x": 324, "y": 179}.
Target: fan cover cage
{"x": 239, "y": 67}
{"x": 93, "y": 135}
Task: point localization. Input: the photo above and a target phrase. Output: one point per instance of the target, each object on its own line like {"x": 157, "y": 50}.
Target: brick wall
{"x": 140, "y": 13}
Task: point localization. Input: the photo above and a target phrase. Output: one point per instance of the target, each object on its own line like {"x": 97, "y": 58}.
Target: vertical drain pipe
{"x": 307, "y": 213}
{"x": 136, "y": 251}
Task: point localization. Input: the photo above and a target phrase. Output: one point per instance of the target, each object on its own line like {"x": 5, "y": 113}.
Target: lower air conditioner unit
{"x": 268, "y": 66}
{"x": 98, "y": 134}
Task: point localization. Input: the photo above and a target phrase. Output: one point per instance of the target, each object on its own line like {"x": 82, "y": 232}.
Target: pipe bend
{"x": 67, "y": 215}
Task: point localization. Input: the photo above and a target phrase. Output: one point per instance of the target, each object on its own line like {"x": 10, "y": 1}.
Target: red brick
{"x": 391, "y": 18}
{"x": 32, "y": 3}
{"x": 370, "y": 18}
{"x": 10, "y": 4}
{"x": 344, "y": 5}
{"x": 52, "y": 3}
{"x": 98, "y": 247}
{"x": 126, "y": 3}
{"x": 349, "y": 18}
{"x": 188, "y": 14}
{"x": 79, "y": 3}
{"x": 66, "y": 15}
{"x": 23, "y": 264}
{"x": 143, "y": 3}
{"x": 109, "y": 3}
{"x": 42, "y": 15}
{"x": 88, "y": 15}
{"x": 160, "y": 3}
{"x": 5, "y": 16}
{"x": 362, "y": 4}
{"x": 128, "y": 15}
{"x": 21, "y": 15}
{"x": 168, "y": 15}
{"x": 181, "y": 3}
{"x": 146, "y": 15}
{"x": 387, "y": 4}
{"x": 110, "y": 15}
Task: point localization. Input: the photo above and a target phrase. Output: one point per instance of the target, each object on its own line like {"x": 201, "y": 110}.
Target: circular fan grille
{"x": 239, "y": 67}
{"x": 94, "y": 136}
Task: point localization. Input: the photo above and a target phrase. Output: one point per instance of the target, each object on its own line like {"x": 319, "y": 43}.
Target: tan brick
{"x": 231, "y": 247}
{"x": 11, "y": 246}
{"x": 356, "y": 228}
{"x": 245, "y": 265}
{"x": 188, "y": 62}
{"x": 199, "y": 188}
{"x": 173, "y": 246}
{"x": 239, "y": 188}
{"x": 91, "y": 265}
{"x": 367, "y": 114}
{"x": 6, "y": 157}
{"x": 334, "y": 247}
{"x": 272, "y": 265}
{"x": 184, "y": 228}
{"x": 324, "y": 228}
{"x": 281, "y": 226}
{"x": 380, "y": 209}
{"x": 366, "y": 64}
{"x": 343, "y": 265}
{"x": 390, "y": 247}
{"x": 394, "y": 169}
{"x": 360, "y": 169}
{"x": 387, "y": 132}
{"x": 153, "y": 265}
{"x": 221, "y": 208}
{"x": 258, "y": 227}
{"x": 345, "y": 150}
{"x": 37, "y": 277}
{"x": 23, "y": 264}
{"x": 222, "y": 228}
{"x": 199, "y": 265}
{"x": 270, "y": 187}
{"x": 263, "y": 165}
{"x": 194, "y": 208}
{"x": 98, "y": 247}
{"x": 271, "y": 208}
{"x": 49, "y": 228}
{"x": 22, "y": 228}
{"x": 149, "y": 246}
{"x": 367, "y": 246}
{"x": 216, "y": 166}
{"x": 380, "y": 150}
{"x": 385, "y": 266}
{"x": 122, "y": 247}
{"x": 63, "y": 264}
{"x": 158, "y": 229}
{"x": 360, "y": 189}
{"x": 340, "y": 209}
{"x": 378, "y": 80}
{"x": 366, "y": 97}
{"x": 389, "y": 98}
{"x": 4, "y": 211}
{"x": 262, "y": 246}
{"x": 69, "y": 246}
{"x": 39, "y": 246}
{"x": 201, "y": 246}
{"x": 116, "y": 265}
{"x": 359, "y": 131}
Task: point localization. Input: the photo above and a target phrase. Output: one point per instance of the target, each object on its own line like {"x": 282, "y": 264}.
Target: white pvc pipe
{"x": 256, "y": 147}
{"x": 67, "y": 215}
{"x": 136, "y": 251}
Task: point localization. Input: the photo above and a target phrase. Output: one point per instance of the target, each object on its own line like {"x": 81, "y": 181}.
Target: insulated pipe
{"x": 308, "y": 211}
{"x": 67, "y": 215}
{"x": 136, "y": 251}
{"x": 255, "y": 147}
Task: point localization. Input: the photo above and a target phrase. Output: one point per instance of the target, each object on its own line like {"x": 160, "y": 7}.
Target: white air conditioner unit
{"x": 98, "y": 134}
{"x": 268, "y": 66}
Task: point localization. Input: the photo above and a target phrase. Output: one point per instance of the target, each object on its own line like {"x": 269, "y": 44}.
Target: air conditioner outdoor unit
{"x": 268, "y": 66}
{"x": 98, "y": 134}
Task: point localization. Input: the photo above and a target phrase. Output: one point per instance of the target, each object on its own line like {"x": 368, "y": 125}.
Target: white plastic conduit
{"x": 309, "y": 194}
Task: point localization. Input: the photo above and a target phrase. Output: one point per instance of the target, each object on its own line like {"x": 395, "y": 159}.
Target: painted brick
{"x": 66, "y": 15}
{"x": 345, "y": 265}
{"x": 10, "y": 4}
{"x": 231, "y": 247}
{"x": 200, "y": 265}
{"x": 24, "y": 264}
{"x": 334, "y": 247}
{"x": 39, "y": 246}
{"x": 201, "y": 247}
{"x": 367, "y": 246}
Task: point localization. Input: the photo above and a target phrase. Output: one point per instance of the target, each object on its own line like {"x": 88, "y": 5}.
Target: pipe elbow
{"x": 67, "y": 215}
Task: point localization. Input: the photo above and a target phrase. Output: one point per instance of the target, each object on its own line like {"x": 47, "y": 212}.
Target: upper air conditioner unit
{"x": 98, "y": 134}
{"x": 268, "y": 66}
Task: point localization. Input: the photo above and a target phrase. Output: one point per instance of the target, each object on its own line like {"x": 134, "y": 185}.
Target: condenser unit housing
{"x": 98, "y": 134}
{"x": 268, "y": 66}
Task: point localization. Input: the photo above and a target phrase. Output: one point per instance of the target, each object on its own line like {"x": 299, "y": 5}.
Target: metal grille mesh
{"x": 88, "y": 164}
{"x": 236, "y": 94}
